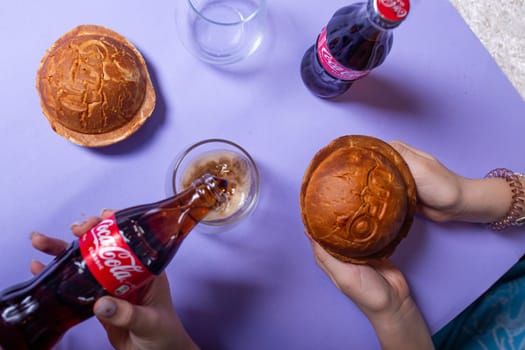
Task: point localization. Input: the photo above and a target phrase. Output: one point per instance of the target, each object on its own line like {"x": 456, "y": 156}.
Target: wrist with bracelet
{"x": 515, "y": 216}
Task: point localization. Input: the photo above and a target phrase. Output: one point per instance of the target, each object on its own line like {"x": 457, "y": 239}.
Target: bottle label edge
{"x": 331, "y": 65}
{"x": 111, "y": 261}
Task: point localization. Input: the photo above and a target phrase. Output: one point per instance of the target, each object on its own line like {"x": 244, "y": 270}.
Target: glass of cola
{"x": 224, "y": 159}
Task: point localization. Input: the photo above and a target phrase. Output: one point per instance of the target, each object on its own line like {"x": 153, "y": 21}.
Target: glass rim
{"x": 260, "y": 8}
{"x": 249, "y": 206}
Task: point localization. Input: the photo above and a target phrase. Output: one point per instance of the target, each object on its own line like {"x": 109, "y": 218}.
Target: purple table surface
{"x": 257, "y": 286}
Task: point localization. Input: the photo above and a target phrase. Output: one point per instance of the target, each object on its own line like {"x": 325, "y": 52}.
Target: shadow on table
{"x": 273, "y": 251}
{"x": 412, "y": 247}
{"x": 211, "y": 327}
{"x": 383, "y": 93}
{"x": 145, "y": 133}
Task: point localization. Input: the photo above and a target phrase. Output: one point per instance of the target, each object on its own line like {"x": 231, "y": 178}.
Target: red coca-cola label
{"x": 111, "y": 261}
{"x": 331, "y": 65}
{"x": 393, "y": 10}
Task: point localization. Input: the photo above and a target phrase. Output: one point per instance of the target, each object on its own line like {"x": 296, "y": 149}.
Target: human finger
{"x": 320, "y": 257}
{"x": 81, "y": 227}
{"x": 406, "y": 150}
{"x": 121, "y": 314}
{"x": 36, "y": 266}
{"x": 48, "y": 245}
{"x": 106, "y": 213}
{"x": 342, "y": 274}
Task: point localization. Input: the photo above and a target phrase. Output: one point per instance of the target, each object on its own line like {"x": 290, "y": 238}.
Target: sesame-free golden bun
{"x": 94, "y": 86}
{"x": 358, "y": 198}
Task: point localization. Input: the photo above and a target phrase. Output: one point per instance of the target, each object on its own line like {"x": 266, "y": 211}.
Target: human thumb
{"x": 122, "y": 314}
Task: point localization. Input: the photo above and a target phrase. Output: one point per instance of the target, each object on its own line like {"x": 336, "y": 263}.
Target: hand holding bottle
{"x": 120, "y": 254}
{"x": 149, "y": 324}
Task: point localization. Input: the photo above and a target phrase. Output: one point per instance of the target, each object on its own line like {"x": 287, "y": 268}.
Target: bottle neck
{"x": 155, "y": 231}
{"x": 176, "y": 216}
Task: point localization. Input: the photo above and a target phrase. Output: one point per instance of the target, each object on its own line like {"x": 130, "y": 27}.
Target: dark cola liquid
{"x": 154, "y": 232}
{"x": 355, "y": 42}
{"x": 35, "y": 315}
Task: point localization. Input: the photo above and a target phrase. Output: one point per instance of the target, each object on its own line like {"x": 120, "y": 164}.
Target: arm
{"x": 382, "y": 294}
{"x": 379, "y": 289}
{"x": 484, "y": 200}
{"x": 405, "y": 329}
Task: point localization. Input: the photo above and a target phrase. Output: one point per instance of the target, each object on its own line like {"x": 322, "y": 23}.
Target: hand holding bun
{"x": 94, "y": 86}
{"x": 358, "y": 198}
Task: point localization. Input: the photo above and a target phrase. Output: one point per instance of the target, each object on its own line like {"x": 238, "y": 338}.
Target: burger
{"x": 358, "y": 198}
{"x": 94, "y": 86}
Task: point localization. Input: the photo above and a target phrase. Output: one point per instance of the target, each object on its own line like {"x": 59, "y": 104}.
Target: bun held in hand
{"x": 94, "y": 86}
{"x": 358, "y": 198}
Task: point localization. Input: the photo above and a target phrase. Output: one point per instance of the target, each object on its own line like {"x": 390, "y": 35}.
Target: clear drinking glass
{"x": 221, "y": 31}
{"x": 225, "y": 159}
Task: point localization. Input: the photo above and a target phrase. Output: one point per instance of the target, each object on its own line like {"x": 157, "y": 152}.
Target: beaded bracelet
{"x": 518, "y": 199}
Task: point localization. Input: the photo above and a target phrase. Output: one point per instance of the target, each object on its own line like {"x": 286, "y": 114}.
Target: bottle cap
{"x": 389, "y": 13}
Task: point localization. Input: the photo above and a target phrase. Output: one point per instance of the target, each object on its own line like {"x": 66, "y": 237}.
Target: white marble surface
{"x": 500, "y": 26}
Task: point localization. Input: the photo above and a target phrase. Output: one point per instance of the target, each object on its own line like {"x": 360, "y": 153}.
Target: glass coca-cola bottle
{"x": 117, "y": 256}
{"x": 356, "y": 39}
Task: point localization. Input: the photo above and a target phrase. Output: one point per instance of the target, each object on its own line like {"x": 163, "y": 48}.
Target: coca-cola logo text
{"x": 111, "y": 260}
{"x": 400, "y": 7}
{"x": 329, "y": 59}
{"x": 332, "y": 66}
{"x": 120, "y": 261}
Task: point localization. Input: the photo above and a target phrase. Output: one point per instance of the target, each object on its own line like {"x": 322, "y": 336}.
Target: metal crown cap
{"x": 388, "y": 14}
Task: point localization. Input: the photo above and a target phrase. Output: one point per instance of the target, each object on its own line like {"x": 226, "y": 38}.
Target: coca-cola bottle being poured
{"x": 117, "y": 256}
{"x": 357, "y": 39}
